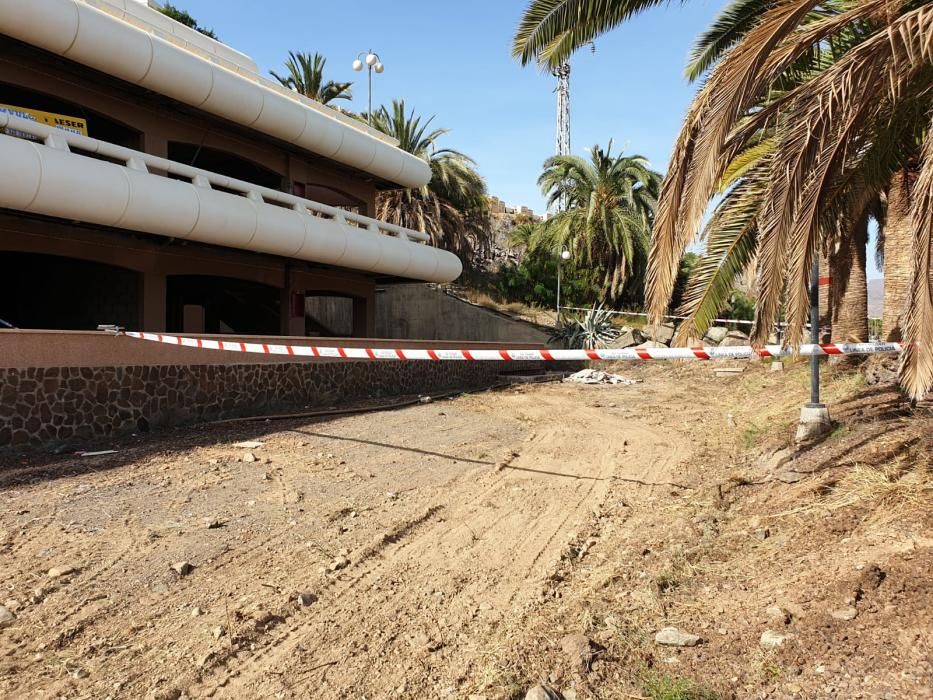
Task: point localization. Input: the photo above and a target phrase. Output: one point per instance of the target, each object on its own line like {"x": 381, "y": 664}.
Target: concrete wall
{"x": 76, "y": 387}
{"x": 425, "y": 312}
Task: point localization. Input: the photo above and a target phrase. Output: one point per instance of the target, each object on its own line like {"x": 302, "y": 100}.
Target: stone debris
{"x": 772, "y": 640}
{"x": 182, "y": 568}
{"x": 845, "y": 614}
{"x": 248, "y": 457}
{"x": 734, "y": 339}
{"x": 543, "y": 692}
{"x": 716, "y": 334}
{"x": 218, "y": 632}
{"x": 673, "y": 637}
{"x": 595, "y": 376}
{"x": 59, "y": 571}
{"x": 249, "y": 444}
{"x": 306, "y": 599}
{"x": 213, "y": 523}
{"x": 196, "y": 612}
{"x": 6, "y": 616}
{"x": 662, "y": 333}
{"x": 339, "y": 563}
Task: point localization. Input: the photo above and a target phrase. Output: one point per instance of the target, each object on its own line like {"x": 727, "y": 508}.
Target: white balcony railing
{"x": 205, "y": 75}
{"x": 49, "y": 171}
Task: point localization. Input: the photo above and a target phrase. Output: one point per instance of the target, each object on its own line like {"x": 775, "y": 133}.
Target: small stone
{"x": 762, "y": 533}
{"x": 293, "y": 497}
{"x": 213, "y": 523}
{"x": 59, "y": 571}
{"x": 182, "y": 568}
{"x": 339, "y": 563}
{"x": 543, "y": 692}
{"x": 248, "y": 457}
{"x": 196, "y": 612}
{"x": 218, "y": 632}
{"x": 844, "y": 614}
{"x": 772, "y": 640}
{"x": 673, "y": 637}
{"x": 306, "y": 599}
{"x": 80, "y": 673}
{"x": 6, "y": 616}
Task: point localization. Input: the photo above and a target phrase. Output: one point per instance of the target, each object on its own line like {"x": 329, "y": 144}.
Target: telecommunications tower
{"x": 562, "y": 73}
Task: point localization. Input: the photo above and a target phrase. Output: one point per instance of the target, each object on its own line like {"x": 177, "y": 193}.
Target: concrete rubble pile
{"x": 595, "y": 376}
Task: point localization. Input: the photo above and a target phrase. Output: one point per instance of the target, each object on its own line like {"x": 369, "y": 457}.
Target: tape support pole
{"x": 506, "y": 354}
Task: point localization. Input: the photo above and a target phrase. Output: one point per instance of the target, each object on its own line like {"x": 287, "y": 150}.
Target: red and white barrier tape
{"x": 702, "y": 353}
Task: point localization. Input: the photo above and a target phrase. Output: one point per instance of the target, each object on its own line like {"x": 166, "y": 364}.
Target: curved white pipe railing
{"x": 175, "y": 67}
{"x": 66, "y": 176}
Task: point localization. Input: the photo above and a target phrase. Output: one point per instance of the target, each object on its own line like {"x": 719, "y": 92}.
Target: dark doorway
{"x": 229, "y": 305}
{"x": 52, "y": 292}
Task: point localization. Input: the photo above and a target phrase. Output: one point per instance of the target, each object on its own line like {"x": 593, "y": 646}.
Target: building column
{"x": 291, "y": 308}
{"x": 153, "y": 302}
{"x": 364, "y": 317}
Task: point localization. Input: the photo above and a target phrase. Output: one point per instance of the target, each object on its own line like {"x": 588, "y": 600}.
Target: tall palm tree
{"x": 840, "y": 136}
{"x": 452, "y": 208}
{"x": 898, "y": 252}
{"x": 306, "y": 76}
{"x": 607, "y": 208}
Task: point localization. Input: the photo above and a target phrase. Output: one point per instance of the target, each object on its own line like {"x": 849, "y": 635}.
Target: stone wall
{"x": 44, "y": 405}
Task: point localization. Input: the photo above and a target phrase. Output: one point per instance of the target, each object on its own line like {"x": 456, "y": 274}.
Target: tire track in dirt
{"x": 513, "y": 544}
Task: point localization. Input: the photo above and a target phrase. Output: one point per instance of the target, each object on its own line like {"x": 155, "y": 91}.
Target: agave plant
{"x": 594, "y": 330}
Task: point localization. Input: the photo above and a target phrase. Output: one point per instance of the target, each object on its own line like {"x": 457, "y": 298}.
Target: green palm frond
{"x": 452, "y": 208}
{"x": 731, "y": 245}
{"x": 305, "y": 75}
{"x": 551, "y": 30}
{"x": 732, "y": 23}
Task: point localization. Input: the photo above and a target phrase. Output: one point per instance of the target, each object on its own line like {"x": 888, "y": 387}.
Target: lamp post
{"x": 814, "y": 416}
{"x": 373, "y": 63}
{"x": 564, "y": 255}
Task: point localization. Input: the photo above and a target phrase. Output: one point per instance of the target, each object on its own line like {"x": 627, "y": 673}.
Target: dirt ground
{"x": 473, "y": 547}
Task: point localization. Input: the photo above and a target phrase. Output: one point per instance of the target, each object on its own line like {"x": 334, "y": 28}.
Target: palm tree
{"x": 306, "y": 76}
{"x": 607, "y": 208}
{"x": 452, "y": 208}
{"x": 898, "y": 253}
{"x": 841, "y": 134}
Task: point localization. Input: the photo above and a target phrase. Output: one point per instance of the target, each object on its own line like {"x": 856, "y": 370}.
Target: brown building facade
{"x": 69, "y": 271}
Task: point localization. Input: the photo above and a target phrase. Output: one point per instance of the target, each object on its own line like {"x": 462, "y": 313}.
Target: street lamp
{"x": 373, "y": 63}
{"x": 564, "y": 255}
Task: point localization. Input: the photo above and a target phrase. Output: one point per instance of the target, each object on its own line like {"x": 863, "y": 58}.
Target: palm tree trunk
{"x": 848, "y": 295}
{"x": 898, "y": 255}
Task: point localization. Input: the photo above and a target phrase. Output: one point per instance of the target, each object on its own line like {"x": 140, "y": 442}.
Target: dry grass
{"x": 887, "y": 490}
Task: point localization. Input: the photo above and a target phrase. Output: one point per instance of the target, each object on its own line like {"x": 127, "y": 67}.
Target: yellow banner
{"x": 60, "y": 121}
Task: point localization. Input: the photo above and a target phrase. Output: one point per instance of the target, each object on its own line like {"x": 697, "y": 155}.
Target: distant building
{"x": 499, "y": 207}
{"x": 496, "y": 206}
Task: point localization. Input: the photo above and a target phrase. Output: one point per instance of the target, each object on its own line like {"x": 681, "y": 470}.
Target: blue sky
{"x": 453, "y": 60}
